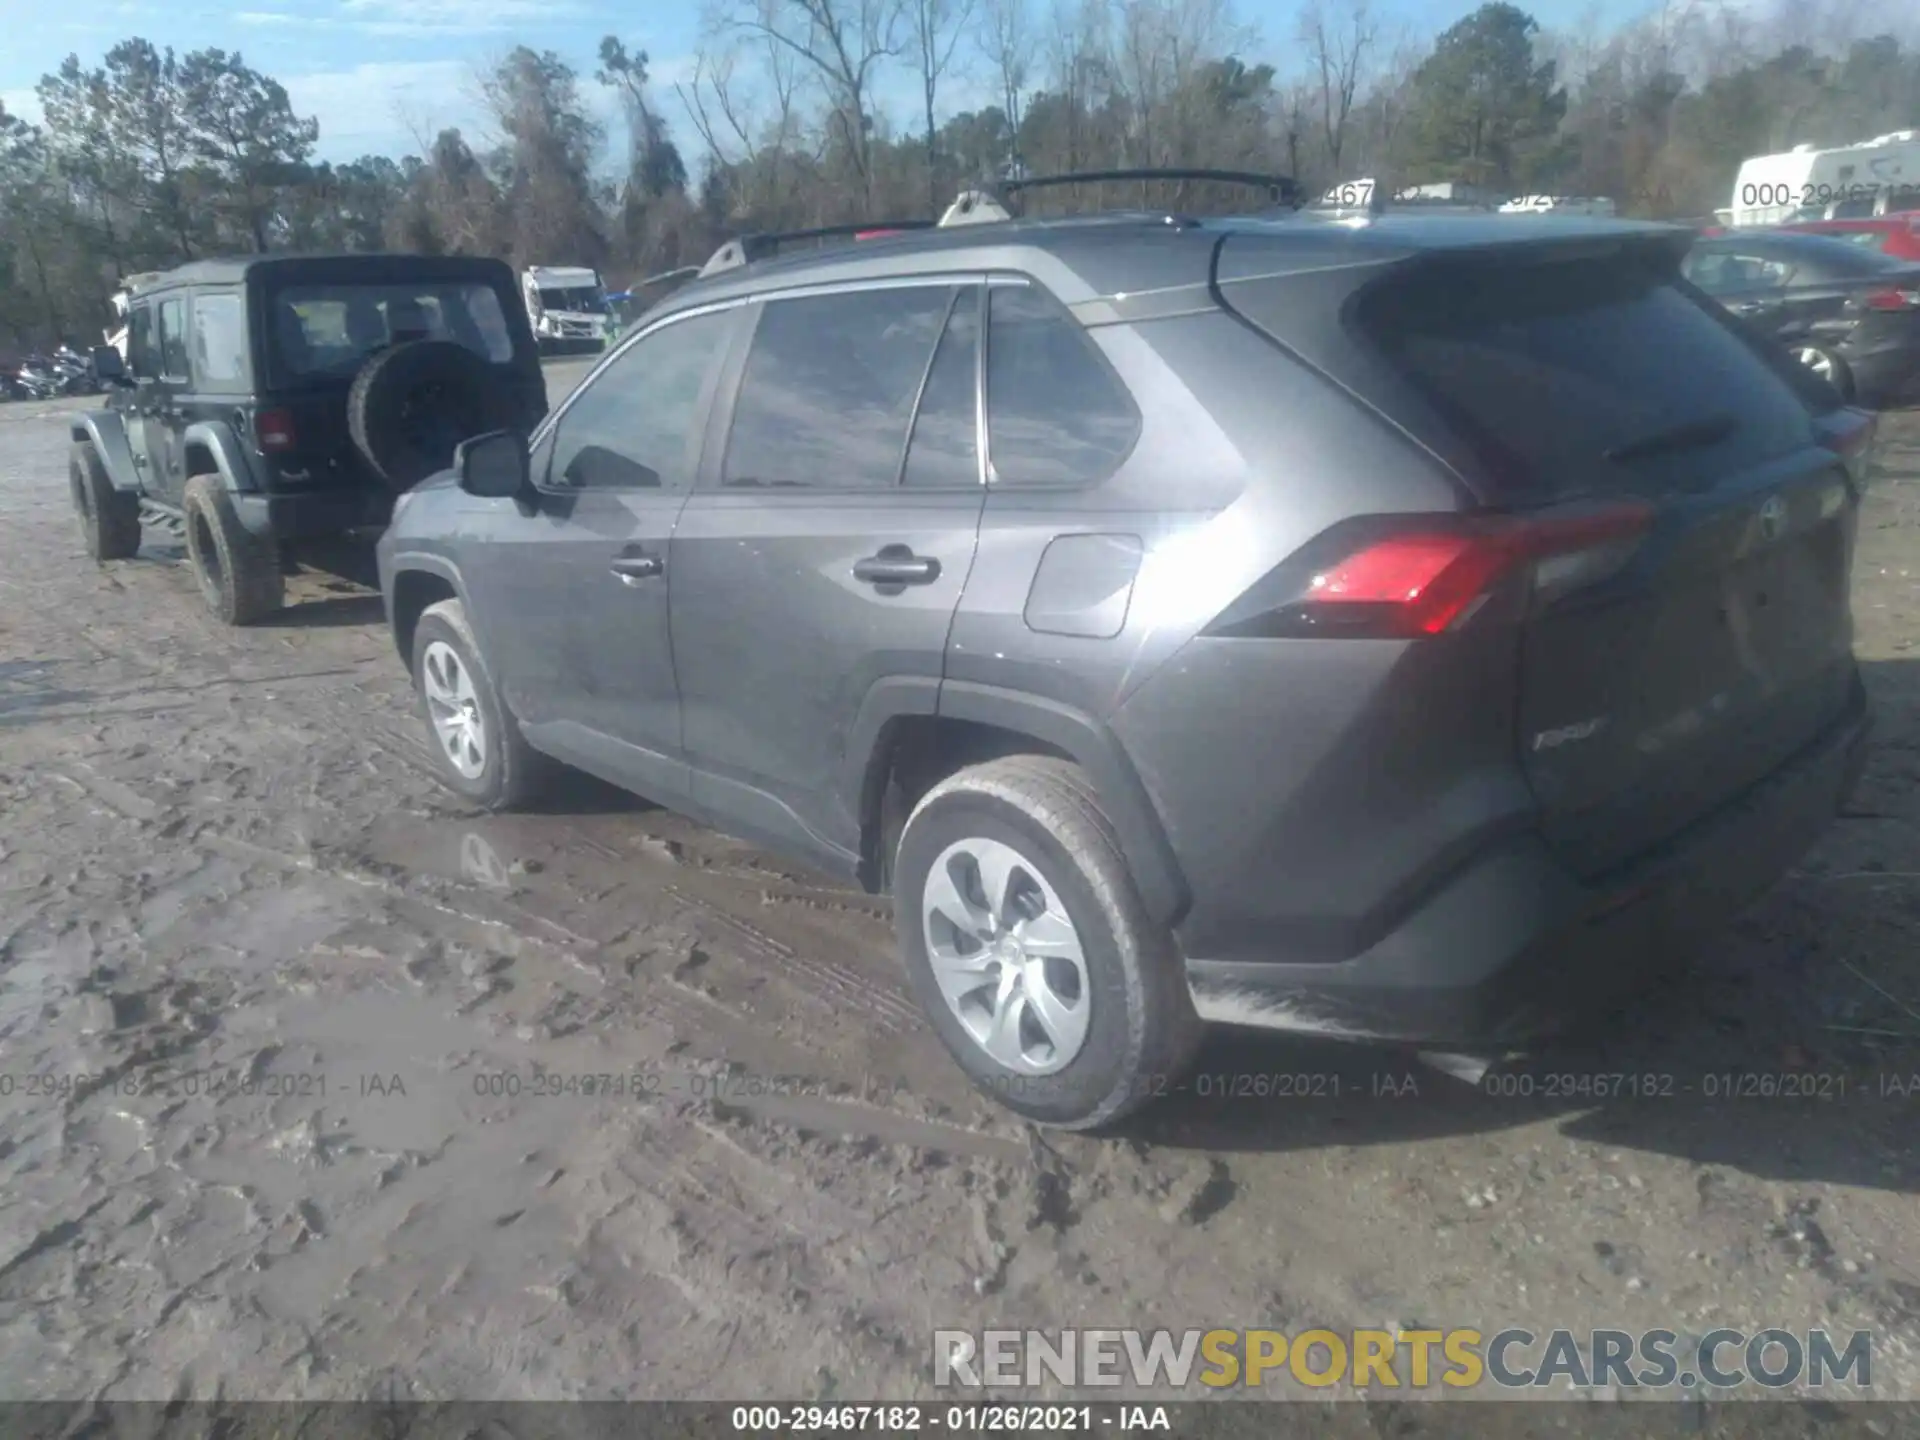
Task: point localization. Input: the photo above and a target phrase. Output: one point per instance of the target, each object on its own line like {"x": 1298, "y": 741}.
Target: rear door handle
{"x": 897, "y": 565}
{"x": 632, "y": 569}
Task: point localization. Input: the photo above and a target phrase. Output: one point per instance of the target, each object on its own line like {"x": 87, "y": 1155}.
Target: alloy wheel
{"x": 454, "y": 707}
{"x": 1006, "y": 956}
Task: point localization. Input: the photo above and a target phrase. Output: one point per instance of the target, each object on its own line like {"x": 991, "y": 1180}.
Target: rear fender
{"x": 106, "y": 432}
{"x": 230, "y": 460}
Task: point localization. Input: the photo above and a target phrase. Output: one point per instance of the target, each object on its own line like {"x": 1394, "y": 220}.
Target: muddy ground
{"x": 273, "y": 1007}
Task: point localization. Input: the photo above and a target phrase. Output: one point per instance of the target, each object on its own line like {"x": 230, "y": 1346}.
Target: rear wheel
{"x": 1828, "y": 366}
{"x": 109, "y": 518}
{"x": 238, "y": 571}
{"x": 1030, "y": 949}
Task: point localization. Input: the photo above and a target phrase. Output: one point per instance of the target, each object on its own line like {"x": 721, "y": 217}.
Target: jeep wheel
{"x": 411, "y": 405}
{"x": 477, "y": 747}
{"x": 238, "y": 571}
{"x": 109, "y": 518}
{"x": 1030, "y": 949}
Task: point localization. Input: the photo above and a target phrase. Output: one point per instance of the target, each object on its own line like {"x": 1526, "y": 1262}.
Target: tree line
{"x": 146, "y": 159}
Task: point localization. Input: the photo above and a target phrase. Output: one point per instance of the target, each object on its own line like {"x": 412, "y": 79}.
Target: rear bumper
{"x": 294, "y": 517}
{"x": 1514, "y": 950}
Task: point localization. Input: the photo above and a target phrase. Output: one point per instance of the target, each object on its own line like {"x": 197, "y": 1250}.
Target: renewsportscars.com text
{"x": 1455, "y": 1359}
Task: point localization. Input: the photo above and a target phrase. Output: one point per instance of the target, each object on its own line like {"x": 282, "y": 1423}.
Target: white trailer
{"x": 1874, "y": 177}
{"x": 567, "y": 305}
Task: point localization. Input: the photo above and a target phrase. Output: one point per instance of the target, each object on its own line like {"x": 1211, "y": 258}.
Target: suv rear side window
{"x": 829, "y": 388}
{"x": 1546, "y": 368}
{"x": 219, "y": 341}
{"x": 1056, "y": 413}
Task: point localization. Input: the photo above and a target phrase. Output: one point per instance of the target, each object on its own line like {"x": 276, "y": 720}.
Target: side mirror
{"x": 493, "y": 466}
{"x": 109, "y": 366}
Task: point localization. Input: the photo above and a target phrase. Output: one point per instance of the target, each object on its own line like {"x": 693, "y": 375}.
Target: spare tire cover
{"x": 411, "y": 405}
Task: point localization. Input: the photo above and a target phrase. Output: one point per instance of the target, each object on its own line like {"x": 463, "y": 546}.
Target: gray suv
{"x": 1409, "y": 628}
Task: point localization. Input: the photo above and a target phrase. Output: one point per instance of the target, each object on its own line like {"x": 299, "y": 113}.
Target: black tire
{"x": 238, "y": 571}
{"x": 109, "y": 518}
{"x": 411, "y": 405}
{"x": 513, "y": 772}
{"x": 1142, "y": 1032}
{"x": 1838, "y": 375}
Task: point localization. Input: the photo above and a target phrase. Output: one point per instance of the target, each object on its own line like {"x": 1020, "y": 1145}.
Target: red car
{"x": 1895, "y": 235}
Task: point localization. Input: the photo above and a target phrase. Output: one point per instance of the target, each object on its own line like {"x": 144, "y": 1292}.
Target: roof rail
{"x": 1281, "y": 189}
{"x": 984, "y": 206}
{"x": 745, "y": 249}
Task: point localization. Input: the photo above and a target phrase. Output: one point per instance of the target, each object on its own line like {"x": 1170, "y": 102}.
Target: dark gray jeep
{"x": 1415, "y": 628}
{"x": 275, "y": 399}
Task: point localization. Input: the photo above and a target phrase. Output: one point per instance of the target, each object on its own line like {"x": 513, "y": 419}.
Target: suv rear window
{"x": 327, "y": 331}
{"x": 1544, "y": 369}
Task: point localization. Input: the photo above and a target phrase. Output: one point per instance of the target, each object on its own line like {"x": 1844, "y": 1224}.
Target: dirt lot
{"x": 272, "y": 1009}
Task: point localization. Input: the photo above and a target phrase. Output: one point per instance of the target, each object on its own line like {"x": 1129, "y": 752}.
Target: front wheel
{"x": 477, "y": 747}
{"x": 109, "y": 518}
{"x": 1030, "y": 949}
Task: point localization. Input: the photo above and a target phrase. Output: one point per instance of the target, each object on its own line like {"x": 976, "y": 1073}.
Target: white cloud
{"x": 378, "y": 107}
{"x": 22, "y": 103}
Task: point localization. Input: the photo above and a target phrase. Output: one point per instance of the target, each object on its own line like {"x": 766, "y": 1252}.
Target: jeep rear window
{"x": 328, "y": 331}
{"x": 1545, "y": 368}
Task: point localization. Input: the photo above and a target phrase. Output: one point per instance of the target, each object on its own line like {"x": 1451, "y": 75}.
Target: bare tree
{"x": 1006, "y": 40}
{"x": 936, "y": 28}
{"x": 844, "y": 42}
{"x": 1339, "y": 49}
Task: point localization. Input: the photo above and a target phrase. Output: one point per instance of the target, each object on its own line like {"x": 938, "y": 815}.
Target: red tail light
{"x": 1906, "y": 299}
{"x": 875, "y": 234}
{"x": 273, "y": 430}
{"x": 1424, "y": 578}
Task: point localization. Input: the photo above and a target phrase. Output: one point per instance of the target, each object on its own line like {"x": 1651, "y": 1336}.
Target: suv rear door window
{"x": 1547, "y": 368}
{"x": 328, "y": 331}
{"x": 143, "y": 350}
{"x": 173, "y": 339}
{"x": 1056, "y": 412}
{"x": 945, "y": 448}
{"x": 829, "y": 388}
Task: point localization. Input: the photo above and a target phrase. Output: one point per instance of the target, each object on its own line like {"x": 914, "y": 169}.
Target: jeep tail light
{"x": 273, "y": 431}
{"x": 1393, "y": 579}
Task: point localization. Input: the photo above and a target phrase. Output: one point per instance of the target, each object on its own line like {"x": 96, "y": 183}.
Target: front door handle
{"x": 897, "y": 565}
{"x": 632, "y": 569}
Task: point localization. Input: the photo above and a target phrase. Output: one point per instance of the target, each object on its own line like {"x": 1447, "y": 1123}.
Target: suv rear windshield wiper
{"x": 1692, "y": 435}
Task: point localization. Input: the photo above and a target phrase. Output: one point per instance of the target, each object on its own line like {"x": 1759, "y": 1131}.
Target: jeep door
{"x": 826, "y": 549}
{"x": 570, "y": 595}
{"x": 162, "y": 416}
{"x": 135, "y": 405}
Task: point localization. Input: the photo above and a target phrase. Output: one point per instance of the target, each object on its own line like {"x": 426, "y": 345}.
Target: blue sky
{"x": 376, "y": 73}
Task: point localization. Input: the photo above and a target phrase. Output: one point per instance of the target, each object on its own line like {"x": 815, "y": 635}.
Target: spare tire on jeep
{"x": 412, "y": 404}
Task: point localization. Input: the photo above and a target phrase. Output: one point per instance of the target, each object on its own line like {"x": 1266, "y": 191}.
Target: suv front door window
{"x": 807, "y": 571}
{"x": 573, "y": 598}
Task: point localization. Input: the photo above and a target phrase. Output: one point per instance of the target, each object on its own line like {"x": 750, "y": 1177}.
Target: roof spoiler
{"x": 745, "y": 249}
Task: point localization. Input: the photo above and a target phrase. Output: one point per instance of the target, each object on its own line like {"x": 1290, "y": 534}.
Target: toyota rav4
{"x": 1408, "y": 628}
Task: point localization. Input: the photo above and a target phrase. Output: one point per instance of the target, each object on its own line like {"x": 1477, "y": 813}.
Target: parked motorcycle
{"x": 36, "y": 377}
